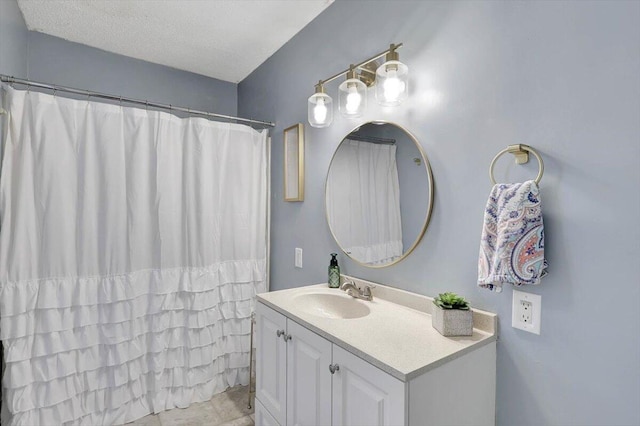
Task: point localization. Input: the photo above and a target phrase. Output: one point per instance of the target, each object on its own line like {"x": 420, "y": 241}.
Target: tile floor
{"x": 225, "y": 409}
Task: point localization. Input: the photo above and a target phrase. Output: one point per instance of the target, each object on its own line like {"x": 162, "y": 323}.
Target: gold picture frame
{"x": 294, "y": 163}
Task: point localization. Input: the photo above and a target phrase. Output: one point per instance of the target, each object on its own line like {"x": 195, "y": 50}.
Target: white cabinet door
{"x": 308, "y": 377}
{"x": 364, "y": 395}
{"x": 271, "y": 361}
{"x": 262, "y": 416}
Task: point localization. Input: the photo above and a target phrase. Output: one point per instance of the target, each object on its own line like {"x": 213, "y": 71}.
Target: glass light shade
{"x": 320, "y": 110}
{"x": 392, "y": 83}
{"x": 352, "y": 98}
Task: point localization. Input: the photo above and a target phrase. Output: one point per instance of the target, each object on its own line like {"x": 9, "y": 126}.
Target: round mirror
{"x": 378, "y": 194}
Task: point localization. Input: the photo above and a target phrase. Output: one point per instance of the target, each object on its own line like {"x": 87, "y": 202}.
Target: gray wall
{"x": 414, "y": 192}
{"x": 13, "y": 46}
{"x": 54, "y": 60}
{"x": 561, "y": 76}
{"x": 41, "y": 57}
{"x": 13, "y": 39}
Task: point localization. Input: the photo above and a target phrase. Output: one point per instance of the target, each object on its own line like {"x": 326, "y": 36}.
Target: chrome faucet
{"x": 352, "y": 290}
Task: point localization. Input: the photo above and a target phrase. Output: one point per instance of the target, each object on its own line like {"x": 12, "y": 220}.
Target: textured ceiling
{"x": 224, "y": 39}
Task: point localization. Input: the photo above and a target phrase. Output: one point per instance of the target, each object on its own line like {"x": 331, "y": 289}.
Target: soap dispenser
{"x": 334, "y": 272}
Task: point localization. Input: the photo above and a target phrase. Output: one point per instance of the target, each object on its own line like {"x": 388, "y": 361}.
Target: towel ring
{"x": 521, "y": 152}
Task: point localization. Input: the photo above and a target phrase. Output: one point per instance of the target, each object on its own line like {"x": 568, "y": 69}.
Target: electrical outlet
{"x": 524, "y": 314}
{"x": 298, "y": 261}
{"x": 526, "y": 311}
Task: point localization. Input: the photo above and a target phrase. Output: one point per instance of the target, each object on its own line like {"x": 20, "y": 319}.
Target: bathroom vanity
{"x": 325, "y": 358}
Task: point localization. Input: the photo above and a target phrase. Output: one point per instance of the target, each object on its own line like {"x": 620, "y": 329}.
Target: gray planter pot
{"x": 452, "y": 322}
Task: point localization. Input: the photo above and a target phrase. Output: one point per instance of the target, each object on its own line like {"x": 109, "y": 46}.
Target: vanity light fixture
{"x": 390, "y": 79}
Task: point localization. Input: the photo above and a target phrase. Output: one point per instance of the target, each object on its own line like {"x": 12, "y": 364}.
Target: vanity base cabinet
{"x": 262, "y": 416}
{"x": 303, "y": 379}
{"x": 364, "y": 394}
{"x": 460, "y": 392}
{"x": 271, "y": 362}
{"x": 293, "y": 382}
{"x": 308, "y": 377}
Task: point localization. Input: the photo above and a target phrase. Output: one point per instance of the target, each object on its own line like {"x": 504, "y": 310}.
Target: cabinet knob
{"x": 280, "y": 332}
{"x": 333, "y": 368}
{"x": 287, "y": 337}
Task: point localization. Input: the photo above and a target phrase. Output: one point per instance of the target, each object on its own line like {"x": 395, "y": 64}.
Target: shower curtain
{"x": 363, "y": 201}
{"x": 132, "y": 244}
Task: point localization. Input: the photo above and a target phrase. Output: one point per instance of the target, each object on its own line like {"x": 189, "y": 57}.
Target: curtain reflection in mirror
{"x": 363, "y": 201}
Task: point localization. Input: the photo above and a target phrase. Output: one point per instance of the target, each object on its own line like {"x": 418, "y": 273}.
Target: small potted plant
{"x": 452, "y": 316}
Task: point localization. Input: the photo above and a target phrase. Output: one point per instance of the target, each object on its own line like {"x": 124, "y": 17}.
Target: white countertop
{"x": 396, "y": 336}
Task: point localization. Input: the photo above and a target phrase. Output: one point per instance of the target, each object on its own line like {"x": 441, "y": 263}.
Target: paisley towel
{"x": 512, "y": 244}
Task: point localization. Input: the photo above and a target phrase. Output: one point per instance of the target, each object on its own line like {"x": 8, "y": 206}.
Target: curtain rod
{"x": 371, "y": 139}
{"x": 89, "y": 93}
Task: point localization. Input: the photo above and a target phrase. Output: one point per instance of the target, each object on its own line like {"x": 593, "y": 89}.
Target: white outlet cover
{"x": 536, "y": 310}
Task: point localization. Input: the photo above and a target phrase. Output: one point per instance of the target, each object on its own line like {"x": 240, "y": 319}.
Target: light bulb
{"x": 320, "y": 108}
{"x": 393, "y": 86}
{"x": 392, "y": 83}
{"x": 353, "y": 100}
{"x": 320, "y": 111}
{"x": 352, "y": 94}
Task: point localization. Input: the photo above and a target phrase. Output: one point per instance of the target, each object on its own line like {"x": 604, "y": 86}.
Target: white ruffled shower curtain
{"x": 363, "y": 201}
{"x": 132, "y": 244}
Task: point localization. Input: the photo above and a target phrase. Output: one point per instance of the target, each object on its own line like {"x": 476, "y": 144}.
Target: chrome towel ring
{"x": 521, "y": 152}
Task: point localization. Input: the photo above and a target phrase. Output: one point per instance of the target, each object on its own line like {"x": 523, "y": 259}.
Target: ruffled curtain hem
{"x": 377, "y": 254}
{"x": 108, "y": 350}
{"x": 133, "y": 407}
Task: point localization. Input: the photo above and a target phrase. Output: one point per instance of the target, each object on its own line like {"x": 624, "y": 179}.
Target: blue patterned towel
{"x": 512, "y": 244}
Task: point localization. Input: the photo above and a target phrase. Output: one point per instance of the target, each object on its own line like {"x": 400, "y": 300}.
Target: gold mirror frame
{"x": 427, "y": 219}
{"x": 293, "y": 147}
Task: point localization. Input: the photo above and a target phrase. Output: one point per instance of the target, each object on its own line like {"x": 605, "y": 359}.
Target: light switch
{"x": 298, "y": 261}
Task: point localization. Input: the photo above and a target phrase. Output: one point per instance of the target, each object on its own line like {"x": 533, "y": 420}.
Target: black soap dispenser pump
{"x": 334, "y": 272}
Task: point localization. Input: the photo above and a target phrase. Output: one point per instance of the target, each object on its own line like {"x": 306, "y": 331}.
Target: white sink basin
{"x": 335, "y": 306}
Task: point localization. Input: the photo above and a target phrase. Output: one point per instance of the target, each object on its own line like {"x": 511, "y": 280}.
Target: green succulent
{"x": 451, "y": 301}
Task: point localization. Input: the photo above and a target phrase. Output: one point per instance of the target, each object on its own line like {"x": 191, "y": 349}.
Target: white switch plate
{"x": 526, "y": 311}
{"x": 298, "y": 261}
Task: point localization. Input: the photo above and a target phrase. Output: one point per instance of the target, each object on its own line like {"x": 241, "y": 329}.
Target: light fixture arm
{"x": 352, "y": 73}
{"x": 390, "y": 51}
{"x": 392, "y": 55}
